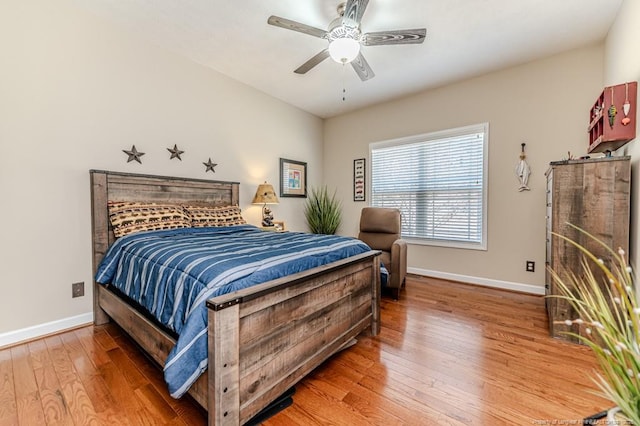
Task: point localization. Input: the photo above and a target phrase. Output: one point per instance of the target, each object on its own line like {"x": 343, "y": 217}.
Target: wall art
{"x": 293, "y": 178}
{"x": 359, "y": 176}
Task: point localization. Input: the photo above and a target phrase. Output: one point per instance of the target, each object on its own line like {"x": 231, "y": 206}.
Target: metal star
{"x": 133, "y": 154}
{"x": 175, "y": 152}
{"x": 210, "y": 165}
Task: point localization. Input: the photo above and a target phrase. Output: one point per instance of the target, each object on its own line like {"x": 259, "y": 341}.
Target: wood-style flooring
{"x": 447, "y": 354}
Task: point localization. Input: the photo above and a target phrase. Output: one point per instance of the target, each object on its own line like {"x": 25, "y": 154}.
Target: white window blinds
{"x": 438, "y": 182}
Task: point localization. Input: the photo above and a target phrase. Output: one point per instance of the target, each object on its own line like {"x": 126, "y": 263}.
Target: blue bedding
{"x": 173, "y": 272}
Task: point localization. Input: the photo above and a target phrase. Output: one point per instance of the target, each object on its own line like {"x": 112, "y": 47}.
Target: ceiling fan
{"x": 345, "y": 38}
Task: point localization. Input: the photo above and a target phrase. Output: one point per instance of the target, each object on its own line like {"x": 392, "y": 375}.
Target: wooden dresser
{"x": 593, "y": 194}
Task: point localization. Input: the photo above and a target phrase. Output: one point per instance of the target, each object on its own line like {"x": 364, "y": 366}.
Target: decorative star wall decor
{"x": 210, "y": 165}
{"x": 133, "y": 154}
{"x": 175, "y": 152}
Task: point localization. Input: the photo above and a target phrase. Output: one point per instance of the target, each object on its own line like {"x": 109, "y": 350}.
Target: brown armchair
{"x": 380, "y": 230}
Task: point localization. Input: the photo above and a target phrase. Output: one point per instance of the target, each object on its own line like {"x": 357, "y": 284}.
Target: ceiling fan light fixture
{"x": 345, "y": 38}
{"x": 344, "y": 50}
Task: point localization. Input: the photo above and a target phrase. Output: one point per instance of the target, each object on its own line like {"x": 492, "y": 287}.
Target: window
{"x": 438, "y": 181}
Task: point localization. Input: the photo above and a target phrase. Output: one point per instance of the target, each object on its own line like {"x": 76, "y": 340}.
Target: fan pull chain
{"x": 344, "y": 90}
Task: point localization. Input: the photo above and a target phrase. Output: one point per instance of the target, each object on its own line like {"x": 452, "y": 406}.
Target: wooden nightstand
{"x": 277, "y": 227}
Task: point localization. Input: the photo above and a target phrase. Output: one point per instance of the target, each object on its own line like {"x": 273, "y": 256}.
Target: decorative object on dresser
{"x": 359, "y": 177}
{"x": 293, "y": 178}
{"x": 262, "y": 339}
{"x": 592, "y": 194}
{"x": 265, "y": 194}
{"x": 612, "y": 118}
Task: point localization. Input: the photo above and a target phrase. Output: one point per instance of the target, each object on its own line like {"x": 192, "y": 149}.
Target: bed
{"x": 262, "y": 339}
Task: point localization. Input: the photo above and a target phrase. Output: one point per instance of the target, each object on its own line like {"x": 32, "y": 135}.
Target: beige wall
{"x": 622, "y": 64}
{"x": 544, "y": 104}
{"x": 74, "y": 92}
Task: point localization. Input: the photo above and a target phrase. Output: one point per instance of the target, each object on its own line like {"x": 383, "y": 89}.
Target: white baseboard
{"x": 505, "y": 285}
{"x": 34, "y": 332}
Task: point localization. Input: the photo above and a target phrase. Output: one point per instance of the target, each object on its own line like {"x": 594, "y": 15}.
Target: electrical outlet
{"x": 531, "y": 266}
{"x": 77, "y": 289}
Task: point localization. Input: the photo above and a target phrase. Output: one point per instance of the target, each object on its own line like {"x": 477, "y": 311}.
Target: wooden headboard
{"x": 116, "y": 186}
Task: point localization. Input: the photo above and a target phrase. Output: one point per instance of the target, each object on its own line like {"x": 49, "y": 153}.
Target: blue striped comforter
{"x": 173, "y": 272}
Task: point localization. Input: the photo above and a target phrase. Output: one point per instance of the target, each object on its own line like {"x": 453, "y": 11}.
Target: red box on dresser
{"x": 612, "y": 118}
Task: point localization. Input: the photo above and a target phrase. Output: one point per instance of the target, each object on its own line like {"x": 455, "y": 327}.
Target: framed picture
{"x": 359, "y": 177}
{"x": 293, "y": 178}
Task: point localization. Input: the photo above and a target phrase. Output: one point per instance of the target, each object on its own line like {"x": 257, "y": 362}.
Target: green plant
{"x": 609, "y": 314}
{"x": 322, "y": 211}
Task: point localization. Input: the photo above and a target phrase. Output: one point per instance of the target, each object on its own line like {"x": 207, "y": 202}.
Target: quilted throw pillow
{"x": 129, "y": 217}
{"x": 215, "y": 216}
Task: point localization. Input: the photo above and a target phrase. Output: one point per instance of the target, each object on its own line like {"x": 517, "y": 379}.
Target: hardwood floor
{"x": 448, "y": 354}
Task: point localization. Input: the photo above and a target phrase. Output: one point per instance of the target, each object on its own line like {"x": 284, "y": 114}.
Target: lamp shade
{"x": 344, "y": 50}
{"x": 265, "y": 195}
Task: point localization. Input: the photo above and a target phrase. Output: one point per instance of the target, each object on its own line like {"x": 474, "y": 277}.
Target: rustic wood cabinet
{"x": 594, "y": 195}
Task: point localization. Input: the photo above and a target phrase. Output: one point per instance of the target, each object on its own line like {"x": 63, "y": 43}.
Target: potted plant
{"x": 323, "y": 211}
{"x": 609, "y": 315}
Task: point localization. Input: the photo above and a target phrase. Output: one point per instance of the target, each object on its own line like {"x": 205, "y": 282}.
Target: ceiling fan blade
{"x": 362, "y": 68}
{"x": 296, "y": 26}
{"x": 353, "y": 11}
{"x": 394, "y": 37}
{"x": 302, "y": 69}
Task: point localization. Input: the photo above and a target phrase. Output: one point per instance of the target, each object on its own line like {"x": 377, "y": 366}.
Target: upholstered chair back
{"x": 380, "y": 229}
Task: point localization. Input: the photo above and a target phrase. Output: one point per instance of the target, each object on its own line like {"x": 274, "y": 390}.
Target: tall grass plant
{"x": 608, "y": 315}
{"x": 323, "y": 211}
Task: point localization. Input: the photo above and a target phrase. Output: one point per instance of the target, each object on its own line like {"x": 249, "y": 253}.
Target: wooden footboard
{"x": 262, "y": 340}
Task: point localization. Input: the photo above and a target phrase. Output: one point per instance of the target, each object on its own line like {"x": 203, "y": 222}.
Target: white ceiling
{"x": 465, "y": 38}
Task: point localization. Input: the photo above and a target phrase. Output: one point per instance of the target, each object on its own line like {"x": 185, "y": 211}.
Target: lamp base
{"x": 267, "y": 216}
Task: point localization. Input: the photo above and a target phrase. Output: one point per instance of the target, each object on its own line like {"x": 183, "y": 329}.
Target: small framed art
{"x": 293, "y": 178}
{"x": 359, "y": 193}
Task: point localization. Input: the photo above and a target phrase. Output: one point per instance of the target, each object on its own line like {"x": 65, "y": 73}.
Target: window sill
{"x": 446, "y": 244}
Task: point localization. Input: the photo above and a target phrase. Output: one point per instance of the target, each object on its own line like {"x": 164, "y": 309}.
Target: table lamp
{"x": 266, "y": 195}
